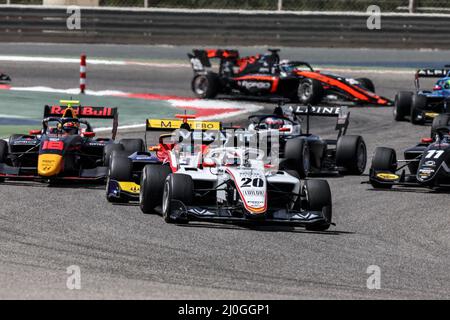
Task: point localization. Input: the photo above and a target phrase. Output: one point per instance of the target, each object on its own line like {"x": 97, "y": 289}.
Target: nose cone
{"x": 49, "y": 165}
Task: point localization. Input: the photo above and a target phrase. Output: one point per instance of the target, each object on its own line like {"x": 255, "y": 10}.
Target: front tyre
{"x": 178, "y": 187}
{"x": 317, "y": 195}
{"x": 152, "y": 187}
{"x": 384, "y": 160}
{"x": 367, "y": 84}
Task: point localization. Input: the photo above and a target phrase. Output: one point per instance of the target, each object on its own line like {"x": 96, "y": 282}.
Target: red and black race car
{"x": 267, "y": 76}
{"x": 64, "y": 149}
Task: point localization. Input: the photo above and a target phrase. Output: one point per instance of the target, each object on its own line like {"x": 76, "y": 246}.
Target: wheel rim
{"x": 200, "y": 85}
{"x": 304, "y": 91}
{"x": 165, "y": 204}
{"x": 362, "y": 158}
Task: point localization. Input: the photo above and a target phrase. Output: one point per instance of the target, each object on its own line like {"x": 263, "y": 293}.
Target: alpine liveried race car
{"x": 307, "y": 153}
{"x": 265, "y": 75}
{"x": 4, "y": 78}
{"x": 124, "y": 176}
{"x": 428, "y": 163}
{"x": 423, "y": 106}
{"x": 64, "y": 149}
{"x": 232, "y": 184}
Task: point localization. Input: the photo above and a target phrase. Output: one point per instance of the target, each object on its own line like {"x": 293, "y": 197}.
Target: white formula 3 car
{"x": 231, "y": 184}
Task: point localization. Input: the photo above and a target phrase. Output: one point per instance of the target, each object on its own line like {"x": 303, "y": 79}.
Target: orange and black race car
{"x": 266, "y": 76}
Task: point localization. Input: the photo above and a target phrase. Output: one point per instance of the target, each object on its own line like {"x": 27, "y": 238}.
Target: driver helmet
{"x": 273, "y": 123}
{"x": 70, "y": 127}
{"x": 447, "y": 84}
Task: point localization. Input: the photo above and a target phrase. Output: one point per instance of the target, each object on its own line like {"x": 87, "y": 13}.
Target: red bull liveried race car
{"x": 266, "y": 76}
{"x": 64, "y": 149}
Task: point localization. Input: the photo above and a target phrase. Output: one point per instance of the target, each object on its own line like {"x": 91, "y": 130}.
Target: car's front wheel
{"x": 351, "y": 154}
{"x": 317, "y": 195}
{"x": 178, "y": 187}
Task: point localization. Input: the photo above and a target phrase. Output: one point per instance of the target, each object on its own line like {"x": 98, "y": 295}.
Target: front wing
{"x": 180, "y": 211}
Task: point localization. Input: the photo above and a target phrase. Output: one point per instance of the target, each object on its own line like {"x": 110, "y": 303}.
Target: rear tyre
{"x": 384, "y": 159}
{"x": 206, "y": 86}
{"x": 132, "y": 145}
{"x": 310, "y": 91}
{"x": 177, "y": 187}
{"x": 442, "y": 120}
{"x": 318, "y": 196}
{"x": 418, "y": 104}
{"x": 367, "y": 84}
{"x": 351, "y": 154}
{"x": 152, "y": 187}
{"x": 402, "y": 105}
{"x": 297, "y": 156}
{"x": 107, "y": 152}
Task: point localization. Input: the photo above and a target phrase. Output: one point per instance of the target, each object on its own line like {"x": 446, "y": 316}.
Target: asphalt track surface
{"x": 124, "y": 254}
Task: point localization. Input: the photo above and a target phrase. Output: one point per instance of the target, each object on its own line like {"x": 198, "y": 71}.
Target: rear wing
{"x": 431, "y": 73}
{"x": 200, "y": 58}
{"x": 341, "y": 113}
{"x": 85, "y": 112}
{"x": 173, "y": 124}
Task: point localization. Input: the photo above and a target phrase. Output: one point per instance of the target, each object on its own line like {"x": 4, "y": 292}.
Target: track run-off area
{"x": 123, "y": 253}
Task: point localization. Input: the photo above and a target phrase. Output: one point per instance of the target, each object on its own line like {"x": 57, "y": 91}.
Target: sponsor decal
{"x": 176, "y": 124}
{"x": 130, "y": 187}
{"x": 388, "y": 176}
{"x": 254, "y": 84}
{"x": 431, "y": 114}
{"x": 86, "y": 111}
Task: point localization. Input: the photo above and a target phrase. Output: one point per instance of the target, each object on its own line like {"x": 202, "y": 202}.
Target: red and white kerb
{"x": 83, "y": 73}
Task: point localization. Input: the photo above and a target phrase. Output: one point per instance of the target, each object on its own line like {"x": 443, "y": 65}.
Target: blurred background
{"x": 437, "y": 6}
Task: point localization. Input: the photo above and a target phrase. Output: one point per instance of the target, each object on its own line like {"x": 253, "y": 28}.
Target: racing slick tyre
{"x": 317, "y": 194}
{"x": 310, "y": 91}
{"x": 367, "y": 84}
{"x": 297, "y": 156}
{"x": 384, "y": 159}
{"x": 121, "y": 166}
{"x": 152, "y": 187}
{"x": 402, "y": 105}
{"x": 121, "y": 169}
{"x": 132, "y": 145}
{"x": 3, "y": 153}
{"x": 419, "y": 103}
{"x": 351, "y": 154}
{"x": 206, "y": 86}
{"x": 108, "y": 150}
{"x": 442, "y": 120}
{"x": 177, "y": 187}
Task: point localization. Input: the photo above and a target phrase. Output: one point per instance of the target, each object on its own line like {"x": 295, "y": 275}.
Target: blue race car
{"x": 423, "y": 106}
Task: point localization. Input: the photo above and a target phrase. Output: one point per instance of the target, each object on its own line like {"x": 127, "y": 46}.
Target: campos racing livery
{"x": 428, "y": 164}
{"x": 123, "y": 183}
{"x": 4, "y": 79}
{"x": 423, "y": 106}
{"x": 265, "y": 76}
{"x": 64, "y": 149}
{"x": 307, "y": 153}
{"x": 231, "y": 184}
